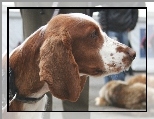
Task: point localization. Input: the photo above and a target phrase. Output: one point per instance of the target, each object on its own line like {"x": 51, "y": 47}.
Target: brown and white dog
{"x": 129, "y": 94}
{"x": 56, "y": 56}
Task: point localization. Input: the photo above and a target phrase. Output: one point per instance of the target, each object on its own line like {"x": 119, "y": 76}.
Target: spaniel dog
{"x": 58, "y": 55}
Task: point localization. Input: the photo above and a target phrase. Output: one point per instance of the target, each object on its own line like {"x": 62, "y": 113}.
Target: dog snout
{"x": 131, "y": 53}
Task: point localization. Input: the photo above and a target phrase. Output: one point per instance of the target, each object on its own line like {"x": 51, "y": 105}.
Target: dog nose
{"x": 131, "y": 53}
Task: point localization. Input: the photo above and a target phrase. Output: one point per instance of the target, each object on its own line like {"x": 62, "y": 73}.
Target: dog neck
{"x": 35, "y": 102}
{"x": 13, "y": 91}
{"x": 40, "y": 104}
{"x": 24, "y": 61}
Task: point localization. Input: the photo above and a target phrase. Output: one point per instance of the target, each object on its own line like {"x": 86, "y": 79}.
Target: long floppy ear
{"x": 59, "y": 69}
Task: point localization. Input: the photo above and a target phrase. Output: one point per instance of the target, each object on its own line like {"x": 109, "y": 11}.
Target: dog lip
{"x": 98, "y": 71}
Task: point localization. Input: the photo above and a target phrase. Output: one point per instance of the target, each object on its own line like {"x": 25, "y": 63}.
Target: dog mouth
{"x": 93, "y": 71}
{"x": 115, "y": 68}
{"x": 98, "y": 72}
{"x": 107, "y": 69}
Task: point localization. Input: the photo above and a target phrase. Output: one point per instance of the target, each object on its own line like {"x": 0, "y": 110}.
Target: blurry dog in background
{"x": 129, "y": 94}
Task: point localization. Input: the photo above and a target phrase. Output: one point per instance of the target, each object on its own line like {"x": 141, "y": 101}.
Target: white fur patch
{"x": 40, "y": 105}
{"x": 81, "y": 74}
{"x": 109, "y": 54}
{"x": 103, "y": 93}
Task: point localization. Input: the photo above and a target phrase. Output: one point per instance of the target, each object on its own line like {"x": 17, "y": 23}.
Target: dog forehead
{"x": 83, "y": 16}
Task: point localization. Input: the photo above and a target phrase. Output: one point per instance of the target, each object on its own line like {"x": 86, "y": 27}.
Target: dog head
{"x": 75, "y": 44}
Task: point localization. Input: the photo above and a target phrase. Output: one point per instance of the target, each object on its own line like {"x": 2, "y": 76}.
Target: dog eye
{"x": 94, "y": 34}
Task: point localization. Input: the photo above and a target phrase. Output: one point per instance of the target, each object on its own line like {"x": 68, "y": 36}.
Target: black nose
{"x": 131, "y": 53}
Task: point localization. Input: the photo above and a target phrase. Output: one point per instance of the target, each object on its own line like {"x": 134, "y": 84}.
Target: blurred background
{"x": 135, "y": 36}
{"x": 143, "y": 62}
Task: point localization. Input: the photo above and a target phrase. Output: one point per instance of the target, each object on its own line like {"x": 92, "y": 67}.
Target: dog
{"x": 58, "y": 55}
{"x": 130, "y": 94}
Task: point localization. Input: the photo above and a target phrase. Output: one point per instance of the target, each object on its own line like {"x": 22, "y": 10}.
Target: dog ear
{"x": 59, "y": 69}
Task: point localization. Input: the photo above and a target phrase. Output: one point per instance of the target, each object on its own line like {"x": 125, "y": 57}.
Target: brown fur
{"x": 138, "y": 78}
{"x": 65, "y": 57}
{"x": 56, "y": 54}
{"x": 130, "y": 94}
{"x": 48, "y": 56}
{"x": 26, "y": 58}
